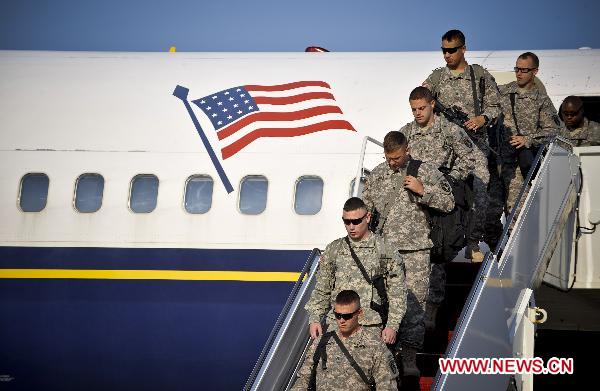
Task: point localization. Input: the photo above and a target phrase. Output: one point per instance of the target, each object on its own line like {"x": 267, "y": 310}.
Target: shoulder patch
{"x": 446, "y": 186}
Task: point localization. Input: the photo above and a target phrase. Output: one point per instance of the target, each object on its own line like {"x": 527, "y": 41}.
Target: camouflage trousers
{"x": 412, "y": 328}
{"x": 496, "y": 206}
{"x": 437, "y": 283}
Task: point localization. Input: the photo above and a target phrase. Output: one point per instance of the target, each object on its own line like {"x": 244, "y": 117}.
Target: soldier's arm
{"x": 491, "y": 99}
{"x": 428, "y": 83}
{"x": 385, "y": 371}
{"x": 549, "y": 124}
{"x": 396, "y": 288}
{"x": 303, "y": 377}
{"x": 320, "y": 298}
{"x": 437, "y": 191}
{"x": 367, "y": 193}
{"x": 463, "y": 148}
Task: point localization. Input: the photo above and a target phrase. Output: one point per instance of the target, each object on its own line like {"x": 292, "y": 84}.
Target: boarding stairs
{"x": 495, "y": 299}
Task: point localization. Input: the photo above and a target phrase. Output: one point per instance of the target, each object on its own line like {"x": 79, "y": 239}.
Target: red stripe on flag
{"x": 236, "y": 146}
{"x": 288, "y": 86}
{"x": 269, "y": 116}
{"x": 285, "y": 100}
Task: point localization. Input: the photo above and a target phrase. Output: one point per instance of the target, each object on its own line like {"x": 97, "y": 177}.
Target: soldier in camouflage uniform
{"x": 529, "y": 125}
{"x": 455, "y": 86}
{"x": 367, "y": 350}
{"x": 400, "y": 200}
{"x": 338, "y": 271}
{"x": 434, "y": 139}
{"x": 579, "y": 130}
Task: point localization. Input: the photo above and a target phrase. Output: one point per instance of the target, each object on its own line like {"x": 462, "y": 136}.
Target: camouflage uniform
{"x": 368, "y": 351}
{"x": 586, "y": 135}
{"x": 407, "y": 229}
{"x": 537, "y": 120}
{"x": 447, "y": 146}
{"x": 457, "y": 91}
{"x": 338, "y": 272}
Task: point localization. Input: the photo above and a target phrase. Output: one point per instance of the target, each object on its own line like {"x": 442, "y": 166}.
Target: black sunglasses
{"x": 345, "y": 316}
{"x": 451, "y": 50}
{"x": 523, "y": 70}
{"x": 354, "y": 221}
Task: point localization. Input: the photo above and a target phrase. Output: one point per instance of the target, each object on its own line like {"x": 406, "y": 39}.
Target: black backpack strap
{"x": 512, "y": 107}
{"x": 413, "y": 167}
{"x": 358, "y": 262}
{"x": 353, "y": 363}
{"x": 320, "y": 352}
{"x": 474, "y": 89}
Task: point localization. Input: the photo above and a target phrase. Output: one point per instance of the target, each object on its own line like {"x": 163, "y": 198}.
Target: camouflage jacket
{"x": 338, "y": 271}
{"x": 537, "y": 119}
{"x": 457, "y": 91}
{"x": 373, "y": 357}
{"x": 588, "y": 134}
{"x": 444, "y": 144}
{"x": 406, "y": 226}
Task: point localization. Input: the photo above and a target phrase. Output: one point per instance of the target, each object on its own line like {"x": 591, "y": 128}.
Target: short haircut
{"x": 534, "y": 58}
{"x": 574, "y": 100}
{"x": 347, "y": 297}
{"x": 421, "y": 93}
{"x": 454, "y": 35}
{"x": 394, "y": 140}
{"x": 354, "y": 203}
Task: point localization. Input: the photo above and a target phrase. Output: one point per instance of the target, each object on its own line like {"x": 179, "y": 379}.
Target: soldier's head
{"x": 356, "y": 218}
{"x": 395, "y": 148}
{"x": 453, "y": 48}
{"x": 526, "y": 68}
{"x": 422, "y": 103}
{"x": 571, "y": 111}
{"x": 347, "y": 311}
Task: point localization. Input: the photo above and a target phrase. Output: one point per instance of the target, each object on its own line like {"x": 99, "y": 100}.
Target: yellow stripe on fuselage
{"x": 183, "y": 275}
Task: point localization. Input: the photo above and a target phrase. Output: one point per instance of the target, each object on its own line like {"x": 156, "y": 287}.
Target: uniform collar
{"x": 513, "y": 88}
{"x": 465, "y": 74}
{"x": 369, "y": 242}
{"x": 355, "y": 339}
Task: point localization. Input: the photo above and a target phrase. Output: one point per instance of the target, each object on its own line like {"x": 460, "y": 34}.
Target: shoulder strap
{"x": 474, "y": 90}
{"x": 413, "y": 167}
{"x": 358, "y": 263}
{"x": 512, "y": 107}
{"x": 356, "y": 367}
{"x": 320, "y": 351}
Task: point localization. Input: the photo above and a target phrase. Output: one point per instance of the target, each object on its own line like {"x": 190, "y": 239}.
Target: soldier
{"x": 400, "y": 201}
{"x": 580, "y": 130}
{"x": 338, "y": 270}
{"x": 468, "y": 91}
{"x": 434, "y": 139}
{"x": 328, "y": 367}
{"x": 529, "y": 120}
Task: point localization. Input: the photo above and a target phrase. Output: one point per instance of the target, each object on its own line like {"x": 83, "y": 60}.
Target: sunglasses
{"x": 345, "y": 316}
{"x": 354, "y": 221}
{"x": 451, "y": 50}
{"x": 523, "y": 70}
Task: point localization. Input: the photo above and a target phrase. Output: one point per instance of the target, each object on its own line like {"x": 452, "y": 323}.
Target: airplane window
{"x": 143, "y": 193}
{"x": 309, "y": 195}
{"x": 253, "y": 194}
{"x": 88, "y": 193}
{"x": 34, "y": 192}
{"x": 198, "y": 194}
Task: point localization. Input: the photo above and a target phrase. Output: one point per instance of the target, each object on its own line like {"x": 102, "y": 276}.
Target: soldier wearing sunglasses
{"x": 401, "y": 200}
{"x": 530, "y": 119}
{"x": 579, "y": 129}
{"x": 339, "y": 271}
{"x": 473, "y": 91}
{"x": 350, "y": 357}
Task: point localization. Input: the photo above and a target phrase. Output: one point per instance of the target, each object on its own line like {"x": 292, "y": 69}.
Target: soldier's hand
{"x": 316, "y": 330}
{"x": 475, "y": 123}
{"x": 517, "y": 141}
{"x": 388, "y": 335}
{"x": 413, "y": 184}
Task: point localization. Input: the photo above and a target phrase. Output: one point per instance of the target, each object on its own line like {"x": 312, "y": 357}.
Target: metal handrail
{"x": 360, "y": 170}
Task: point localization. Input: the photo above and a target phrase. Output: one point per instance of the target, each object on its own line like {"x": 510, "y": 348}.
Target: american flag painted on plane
{"x": 243, "y": 114}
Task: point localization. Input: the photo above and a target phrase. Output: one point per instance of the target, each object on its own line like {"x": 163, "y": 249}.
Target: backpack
{"x": 448, "y": 230}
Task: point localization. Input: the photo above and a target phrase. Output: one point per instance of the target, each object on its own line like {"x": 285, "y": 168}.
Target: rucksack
{"x": 448, "y": 230}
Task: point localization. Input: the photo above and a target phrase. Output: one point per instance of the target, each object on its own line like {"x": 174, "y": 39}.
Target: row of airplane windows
{"x": 143, "y": 193}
